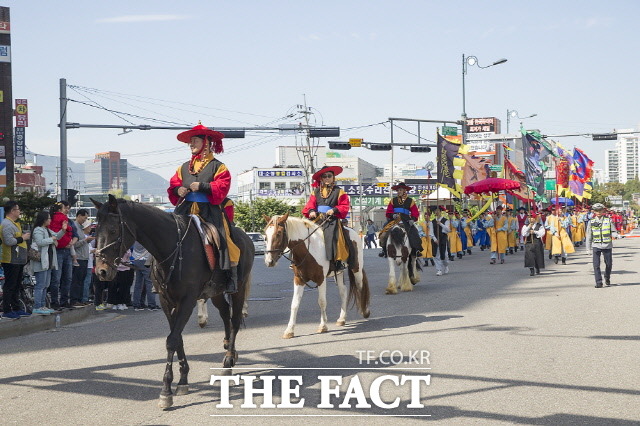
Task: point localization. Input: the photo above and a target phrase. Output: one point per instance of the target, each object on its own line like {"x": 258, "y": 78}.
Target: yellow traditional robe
{"x": 498, "y": 238}
{"x": 455, "y": 243}
{"x": 562, "y": 240}
{"x": 427, "y": 248}
{"x": 511, "y": 235}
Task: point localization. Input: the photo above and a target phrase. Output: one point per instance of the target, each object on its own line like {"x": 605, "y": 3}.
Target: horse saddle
{"x": 210, "y": 240}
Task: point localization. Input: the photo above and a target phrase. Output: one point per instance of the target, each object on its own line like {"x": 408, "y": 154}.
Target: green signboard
{"x": 495, "y": 167}
{"x": 449, "y": 131}
{"x": 369, "y": 201}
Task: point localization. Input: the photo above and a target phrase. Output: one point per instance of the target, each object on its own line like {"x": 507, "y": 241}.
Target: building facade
{"x": 627, "y": 146}
{"x": 30, "y": 178}
{"x": 106, "y": 172}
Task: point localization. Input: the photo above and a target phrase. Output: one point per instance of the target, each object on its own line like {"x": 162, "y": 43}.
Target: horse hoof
{"x": 391, "y": 291}
{"x": 202, "y": 324}
{"x": 165, "y": 401}
{"x": 287, "y": 335}
{"x": 245, "y": 314}
{"x": 322, "y": 329}
{"x": 340, "y": 323}
{"x": 226, "y": 372}
{"x": 366, "y": 314}
{"x": 182, "y": 390}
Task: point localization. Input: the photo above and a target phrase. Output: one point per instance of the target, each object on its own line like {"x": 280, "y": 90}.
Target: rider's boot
{"x": 232, "y": 284}
{"x": 383, "y": 251}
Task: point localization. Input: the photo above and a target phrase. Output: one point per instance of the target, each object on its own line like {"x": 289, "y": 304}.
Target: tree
{"x": 30, "y": 202}
{"x": 599, "y": 196}
{"x": 249, "y": 216}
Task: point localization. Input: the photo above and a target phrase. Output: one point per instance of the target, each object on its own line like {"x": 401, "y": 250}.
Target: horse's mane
{"x": 299, "y": 228}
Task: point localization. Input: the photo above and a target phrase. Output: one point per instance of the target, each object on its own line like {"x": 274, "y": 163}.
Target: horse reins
{"x": 120, "y": 240}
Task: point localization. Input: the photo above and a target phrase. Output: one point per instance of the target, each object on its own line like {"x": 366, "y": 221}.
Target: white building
{"x": 285, "y": 184}
{"x": 611, "y": 165}
{"x": 621, "y": 163}
{"x": 598, "y": 176}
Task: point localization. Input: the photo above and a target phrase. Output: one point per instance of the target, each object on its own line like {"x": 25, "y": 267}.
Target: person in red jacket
{"x": 404, "y": 208}
{"x": 200, "y": 186}
{"x": 60, "y": 286}
{"x": 331, "y": 200}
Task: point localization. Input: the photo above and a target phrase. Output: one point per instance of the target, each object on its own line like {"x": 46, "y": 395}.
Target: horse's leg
{"x": 391, "y": 287}
{"x": 405, "y": 281}
{"x": 179, "y": 316}
{"x": 322, "y": 302}
{"x": 343, "y": 300}
{"x": 247, "y": 293}
{"x": 225, "y": 313}
{"x": 416, "y": 272}
{"x": 183, "y": 383}
{"x": 295, "y": 304}
{"x": 203, "y": 314}
{"x": 231, "y": 356}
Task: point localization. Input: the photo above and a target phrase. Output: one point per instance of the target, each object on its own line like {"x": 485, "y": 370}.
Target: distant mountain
{"x": 140, "y": 181}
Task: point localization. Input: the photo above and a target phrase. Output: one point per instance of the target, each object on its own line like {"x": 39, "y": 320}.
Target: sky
{"x": 356, "y": 63}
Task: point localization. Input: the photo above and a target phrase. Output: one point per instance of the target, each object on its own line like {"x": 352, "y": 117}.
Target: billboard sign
{"x": 19, "y": 145}
{"x": 483, "y": 125}
{"x": 22, "y": 113}
{"x": 5, "y": 53}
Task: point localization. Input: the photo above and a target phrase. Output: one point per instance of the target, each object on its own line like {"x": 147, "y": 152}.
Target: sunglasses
{"x": 327, "y": 176}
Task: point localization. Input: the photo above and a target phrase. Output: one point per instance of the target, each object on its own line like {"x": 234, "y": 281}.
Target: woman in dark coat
{"x": 532, "y": 232}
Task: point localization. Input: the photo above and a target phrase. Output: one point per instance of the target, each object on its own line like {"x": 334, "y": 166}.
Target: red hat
{"x": 401, "y": 185}
{"x": 204, "y": 132}
{"x": 336, "y": 170}
{"x": 442, "y": 208}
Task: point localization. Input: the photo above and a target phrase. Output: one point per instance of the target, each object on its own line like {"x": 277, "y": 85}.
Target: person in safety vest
{"x": 200, "y": 187}
{"x": 600, "y": 234}
{"x": 330, "y": 200}
{"x": 404, "y": 209}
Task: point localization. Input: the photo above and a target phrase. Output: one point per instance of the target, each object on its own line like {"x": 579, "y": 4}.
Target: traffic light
{"x": 71, "y": 196}
{"x": 420, "y": 149}
{"x": 339, "y": 145}
{"x": 324, "y": 132}
{"x": 380, "y": 147}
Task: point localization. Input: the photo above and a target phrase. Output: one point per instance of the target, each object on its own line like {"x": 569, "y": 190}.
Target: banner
{"x": 446, "y": 152}
{"x": 19, "y": 145}
{"x": 511, "y": 172}
{"x": 583, "y": 165}
{"x": 533, "y": 153}
{"x": 475, "y": 169}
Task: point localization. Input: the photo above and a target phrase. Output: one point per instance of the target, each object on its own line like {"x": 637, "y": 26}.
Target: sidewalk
{"x": 34, "y": 323}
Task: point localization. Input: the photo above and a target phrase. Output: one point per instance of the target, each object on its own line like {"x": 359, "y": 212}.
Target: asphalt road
{"x": 502, "y": 348}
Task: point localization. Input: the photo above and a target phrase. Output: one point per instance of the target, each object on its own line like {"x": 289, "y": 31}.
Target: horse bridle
{"x": 120, "y": 240}
{"x": 406, "y": 236}
{"x": 282, "y": 251}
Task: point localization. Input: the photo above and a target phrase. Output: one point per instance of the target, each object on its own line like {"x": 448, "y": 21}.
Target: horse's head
{"x": 113, "y": 238}
{"x": 398, "y": 244}
{"x": 276, "y": 238}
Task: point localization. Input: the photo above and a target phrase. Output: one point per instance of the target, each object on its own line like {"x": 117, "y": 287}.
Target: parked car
{"x": 258, "y": 242}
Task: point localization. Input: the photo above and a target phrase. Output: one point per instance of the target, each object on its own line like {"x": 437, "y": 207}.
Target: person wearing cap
{"x": 497, "y": 228}
{"x": 511, "y": 231}
{"x": 532, "y": 232}
{"x": 482, "y": 238}
{"x": 600, "y": 234}
{"x": 561, "y": 245}
{"x": 200, "y": 187}
{"x": 403, "y": 208}
{"x": 469, "y": 227}
{"x": 330, "y": 200}
{"x": 521, "y": 217}
{"x": 455, "y": 236}
{"x": 426, "y": 235}
{"x": 440, "y": 241}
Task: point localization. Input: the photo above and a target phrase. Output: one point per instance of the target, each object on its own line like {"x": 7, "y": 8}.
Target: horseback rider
{"x": 331, "y": 200}
{"x": 404, "y": 209}
{"x": 200, "y": 187}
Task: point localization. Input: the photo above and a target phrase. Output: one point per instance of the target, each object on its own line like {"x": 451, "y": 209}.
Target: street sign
{"x": 495, "y": 167}
{"x": 449, "y": 131}
{"x": 605, "y": 137}
{"x": 356, "y": 142}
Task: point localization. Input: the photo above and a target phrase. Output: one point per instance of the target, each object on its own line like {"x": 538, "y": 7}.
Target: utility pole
{"x": 63, "y": 138}
{"x": 307, "y": 152}
{"x": 6, "y": 104}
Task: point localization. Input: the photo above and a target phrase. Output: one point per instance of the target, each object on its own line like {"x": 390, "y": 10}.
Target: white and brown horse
{"x": 399, "y": 255}
{"x": 304, "y": 241}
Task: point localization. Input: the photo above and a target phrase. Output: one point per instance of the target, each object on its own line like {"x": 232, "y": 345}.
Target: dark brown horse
{"x": 180, "y": 274}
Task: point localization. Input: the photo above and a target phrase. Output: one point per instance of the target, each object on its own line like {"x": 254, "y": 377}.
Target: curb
{"x": 35, "y": 323}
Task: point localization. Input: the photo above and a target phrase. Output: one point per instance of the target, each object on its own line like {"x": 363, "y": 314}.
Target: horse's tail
{"x": 359, "y": 296}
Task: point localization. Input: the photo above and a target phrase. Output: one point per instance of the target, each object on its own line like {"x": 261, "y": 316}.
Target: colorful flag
{"x": 583, "y": 165}
{"x": 475, "y": 169}
{"x": 446, "y": 152}
{"x": 533, "y": 153}
{"x": 511, "y": 172}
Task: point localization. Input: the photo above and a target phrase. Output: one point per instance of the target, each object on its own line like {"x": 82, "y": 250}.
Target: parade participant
{"x": 426, "y": 235}
{"x": 521, "y": 217}
{"x": 469, "y": 229}
{"x": 329, "y": 199}
{"x": 600, "y": 235}
{"x": 577, "y": 220}
{"x": 512, "y": 242}
{"x": 482, "y": 238}
{"x": 455, "y": 241}
{"x": 200, "y": 187}
{"x": 441, "y": 228}
{"x": 561, "y": 245}
{"x": 403, "y": 208}
{"x": 533, "y": 231}
{"x": 548, "y": 218}
{"x": 498, "y": 232}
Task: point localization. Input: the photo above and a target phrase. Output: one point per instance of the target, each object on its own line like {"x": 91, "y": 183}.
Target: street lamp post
{"x": 514, "y": 114}
{"x": 470, "y": 61}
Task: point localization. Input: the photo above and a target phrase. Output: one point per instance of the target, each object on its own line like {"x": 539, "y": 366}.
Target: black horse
{"x": 179, "y": 271}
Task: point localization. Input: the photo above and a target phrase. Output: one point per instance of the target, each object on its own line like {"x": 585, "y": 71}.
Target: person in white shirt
{"x": 532, "y": 233}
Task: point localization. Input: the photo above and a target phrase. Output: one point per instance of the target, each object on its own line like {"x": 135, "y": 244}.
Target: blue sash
{"x": 196, "y": 197}
{"x": 324, "y": 209}
{"x": 401, "y": 210}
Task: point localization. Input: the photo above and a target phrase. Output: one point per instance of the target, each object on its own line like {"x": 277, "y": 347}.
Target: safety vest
{"x": 601, "y": 233}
